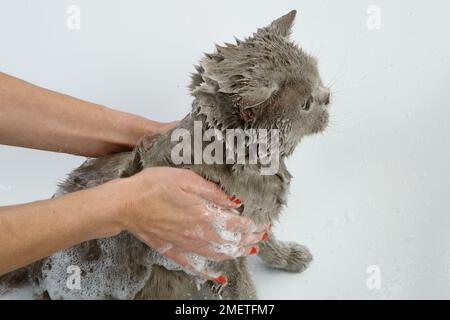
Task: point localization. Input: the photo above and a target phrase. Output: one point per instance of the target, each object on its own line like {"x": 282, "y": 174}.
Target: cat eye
{"x": 307, "y": 105}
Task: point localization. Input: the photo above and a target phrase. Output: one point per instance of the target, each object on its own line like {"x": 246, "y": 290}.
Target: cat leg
{"x": 166, "y": 284}
{"x": 284, "y": 255}
{"x": 240, "y": 284}
{"x": 170, "y": 285}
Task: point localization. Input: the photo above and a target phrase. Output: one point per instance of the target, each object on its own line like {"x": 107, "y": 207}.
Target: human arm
{"x": 34, "y": 117}
{"x": 160, "y": 206}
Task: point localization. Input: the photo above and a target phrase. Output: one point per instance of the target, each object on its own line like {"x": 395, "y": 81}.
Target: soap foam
{"x": 109, "y": 277}
{"x": 221, "y": 217}
{"x": 220, "y": 222}
{"x": 125, "y": 264}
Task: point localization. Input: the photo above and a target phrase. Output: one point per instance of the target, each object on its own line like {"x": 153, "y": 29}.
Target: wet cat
{"x": 263, "y": 82}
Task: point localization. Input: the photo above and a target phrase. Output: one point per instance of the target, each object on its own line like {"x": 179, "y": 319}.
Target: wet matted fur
{"x": 262, "y": 82}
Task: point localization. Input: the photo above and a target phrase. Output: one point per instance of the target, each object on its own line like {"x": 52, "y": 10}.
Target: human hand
{"x": 168, "y": 209}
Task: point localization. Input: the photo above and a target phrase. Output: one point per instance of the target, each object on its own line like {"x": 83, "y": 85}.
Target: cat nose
{"x": 327, "y": 98}
{"x": 322, "y": 95}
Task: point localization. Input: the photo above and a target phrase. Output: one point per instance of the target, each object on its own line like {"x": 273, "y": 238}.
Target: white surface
{"x": 373, "y": 190}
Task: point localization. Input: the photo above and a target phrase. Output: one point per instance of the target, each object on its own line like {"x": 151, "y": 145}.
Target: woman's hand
{"x": 168, "y": 209}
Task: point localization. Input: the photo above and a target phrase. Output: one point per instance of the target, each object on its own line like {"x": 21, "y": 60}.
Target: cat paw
{"x": 297, "y": 258}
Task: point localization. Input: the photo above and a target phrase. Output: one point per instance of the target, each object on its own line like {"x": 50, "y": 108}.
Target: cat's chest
{"x": 262, "y": 196}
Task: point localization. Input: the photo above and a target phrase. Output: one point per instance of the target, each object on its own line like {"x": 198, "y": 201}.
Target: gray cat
{"x": 264, "y": 81}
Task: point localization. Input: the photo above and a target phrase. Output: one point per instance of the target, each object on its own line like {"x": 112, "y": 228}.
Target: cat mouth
{"x": 322, "y": 121}
{"x": 325, "y": 119}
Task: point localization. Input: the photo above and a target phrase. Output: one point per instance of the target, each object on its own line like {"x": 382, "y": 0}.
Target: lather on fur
{"x": 263, "y": 82}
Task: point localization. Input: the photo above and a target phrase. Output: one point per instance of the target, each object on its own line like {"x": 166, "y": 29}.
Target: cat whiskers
{"x": 339, "y": 74}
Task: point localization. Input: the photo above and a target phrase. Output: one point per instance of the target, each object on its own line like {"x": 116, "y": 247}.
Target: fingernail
{"x": 235, "y": 200}
{"x": 254, "y": 250}
{"x": 270, "y": 226}
{"x": 265, "y": 236}
{"x": 221, "y": 279}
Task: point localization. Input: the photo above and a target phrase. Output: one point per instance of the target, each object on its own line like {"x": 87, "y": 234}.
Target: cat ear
{"x": 254, "y": 96}
{"x": 241, "y": 85}
{"x": 284, "y": 24}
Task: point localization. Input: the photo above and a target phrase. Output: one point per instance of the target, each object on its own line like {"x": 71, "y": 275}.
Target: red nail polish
{"x": 235, "y": 200}
{"x": 265, "y": 236}
{"x": 270, "y": 226}
{"x": 221, "y": 279}
{"x": 254, "y": 250}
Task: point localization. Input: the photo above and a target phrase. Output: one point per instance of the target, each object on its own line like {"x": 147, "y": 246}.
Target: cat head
{"x": 265, "y": 81}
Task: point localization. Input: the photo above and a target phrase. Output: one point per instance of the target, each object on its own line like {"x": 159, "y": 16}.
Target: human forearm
{"x": 163, "y": 207}
{"x": 32, "y": 231}
{"x": 38, "y": 118}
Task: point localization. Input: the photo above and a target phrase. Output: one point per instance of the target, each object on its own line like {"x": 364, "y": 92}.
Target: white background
{"x": 372, "y": 190}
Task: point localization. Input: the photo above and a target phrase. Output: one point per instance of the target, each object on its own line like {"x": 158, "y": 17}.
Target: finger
{"x": 231, "y": 228}
{"x": 208, "y": 190}
{"x": 196, "y": 265}
{"x": 203, "y": 232}
{"x": 252, "y": 238}
{"x": 236, "y": 223}
{"x": 192, "y": 263}
{"x": 224, "y": 251}
{"x": 215, "y": 249}
{"x": 219, "y": 252}
{"x": 228, "y": 242}
{"x": 211, "y": 227}
{"x": 228, "y": 252}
